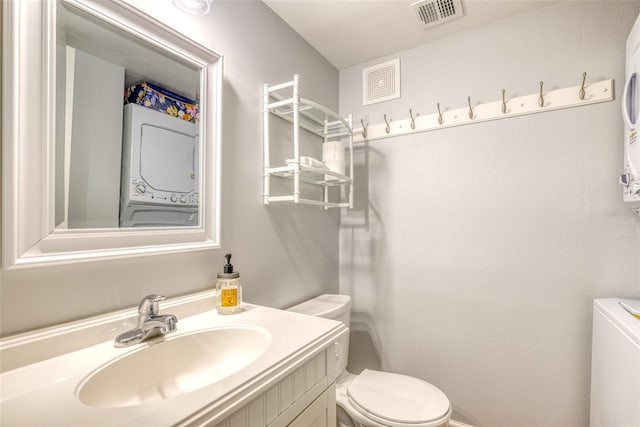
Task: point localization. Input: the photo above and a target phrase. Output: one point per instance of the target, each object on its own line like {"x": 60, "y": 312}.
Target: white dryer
{"x": 615, "y": 363}
{"x": 159, "y": 170}
{"x": 630, "y": 178}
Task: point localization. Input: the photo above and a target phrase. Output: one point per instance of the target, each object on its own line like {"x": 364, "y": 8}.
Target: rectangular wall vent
{"x": 435, "y": 12}
{"x": 381, "y": 82}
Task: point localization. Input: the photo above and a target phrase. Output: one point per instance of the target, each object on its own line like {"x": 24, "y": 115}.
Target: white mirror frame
{"x": 29, "y": 236}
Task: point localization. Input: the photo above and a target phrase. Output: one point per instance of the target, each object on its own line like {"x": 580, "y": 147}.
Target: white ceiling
{"x": 349, "y": 32}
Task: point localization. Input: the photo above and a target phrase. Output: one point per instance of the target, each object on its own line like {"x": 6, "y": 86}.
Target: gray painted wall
{"x": 96, "y": 143}
{"x": 284, "y": 253}
{"x": 475, "y": 252}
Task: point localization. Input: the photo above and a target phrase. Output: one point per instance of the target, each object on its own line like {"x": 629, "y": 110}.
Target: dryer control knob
{"x": 141, "y": 189}
{"x": 183, "y": 199}
{"x": 173, "y": 198}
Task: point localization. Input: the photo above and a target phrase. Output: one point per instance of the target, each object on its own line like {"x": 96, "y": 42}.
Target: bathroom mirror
{"x": 126, "y": 142}
{"x": 91, "y": 170}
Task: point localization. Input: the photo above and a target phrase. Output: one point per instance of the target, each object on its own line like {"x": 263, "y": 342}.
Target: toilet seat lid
{"x": 397, "y": 398}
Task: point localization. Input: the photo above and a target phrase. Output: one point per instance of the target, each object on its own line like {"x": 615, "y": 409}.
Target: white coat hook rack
{"x": 539, "y": 102}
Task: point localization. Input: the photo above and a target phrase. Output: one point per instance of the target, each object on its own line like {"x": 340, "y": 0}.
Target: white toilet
{"x": 373, "y": 398}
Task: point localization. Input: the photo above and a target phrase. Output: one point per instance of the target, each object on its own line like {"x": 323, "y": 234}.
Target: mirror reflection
{"x": 127, "y": 126}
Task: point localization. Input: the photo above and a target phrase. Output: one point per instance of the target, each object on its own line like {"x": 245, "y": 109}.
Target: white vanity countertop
{"x": 45, "y": 393}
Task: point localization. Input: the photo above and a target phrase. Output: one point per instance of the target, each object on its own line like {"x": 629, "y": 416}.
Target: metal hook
{"x": 581, "y": 93}
{"x": 504, "y": 104}
{"x": 470, "y": 109}
{"x": 413, "y": 120}
{"x": 387, "y": 129}
{"x": 440, "y": 121}
{"x": 364, "y": 128}
{"x": 541, "y": 98}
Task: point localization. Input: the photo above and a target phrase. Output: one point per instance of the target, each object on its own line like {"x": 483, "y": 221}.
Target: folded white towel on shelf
{"x": 309, "y": 161}
{"x": 333, "y": 156}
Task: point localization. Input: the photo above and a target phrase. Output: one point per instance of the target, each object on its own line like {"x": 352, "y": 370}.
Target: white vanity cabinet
{"x": 304, "y": 398}
{"x": 290, "y": 383}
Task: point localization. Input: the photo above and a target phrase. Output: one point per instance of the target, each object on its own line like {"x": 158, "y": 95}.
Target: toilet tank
{"x": 334, "y": 307}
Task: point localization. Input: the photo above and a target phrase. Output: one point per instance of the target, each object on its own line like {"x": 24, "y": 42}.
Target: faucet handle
{"x": 149, "y": 304}
{"x": 170, "y": 324}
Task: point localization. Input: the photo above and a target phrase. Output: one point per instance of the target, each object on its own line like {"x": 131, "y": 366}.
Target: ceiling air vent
{"x": 434, "y": 12}
{"x": 381, "y": 82}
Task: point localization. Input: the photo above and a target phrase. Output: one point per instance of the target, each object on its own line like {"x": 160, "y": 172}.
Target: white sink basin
{"x": 177, "y": 365}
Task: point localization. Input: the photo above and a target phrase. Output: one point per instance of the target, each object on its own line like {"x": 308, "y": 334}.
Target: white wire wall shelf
{"x": 312, "y": 175}
{"x": 585, "y": 94}
{"x": 319, "y": 120}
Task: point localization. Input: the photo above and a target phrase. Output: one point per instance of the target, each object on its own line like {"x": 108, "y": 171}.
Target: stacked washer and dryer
{"x": 159, "y": 170}
{"x": 630, "y": 178}
{"x": 615, "y": 354}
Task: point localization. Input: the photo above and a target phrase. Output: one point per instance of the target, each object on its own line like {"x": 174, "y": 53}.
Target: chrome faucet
{"x": 150, "y": 323}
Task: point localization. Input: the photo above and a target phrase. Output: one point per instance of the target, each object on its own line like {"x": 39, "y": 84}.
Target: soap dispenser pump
{"x": 229, "y": 290}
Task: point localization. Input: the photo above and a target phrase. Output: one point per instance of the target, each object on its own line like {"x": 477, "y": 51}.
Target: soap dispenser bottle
{"x": 229, "y": 290}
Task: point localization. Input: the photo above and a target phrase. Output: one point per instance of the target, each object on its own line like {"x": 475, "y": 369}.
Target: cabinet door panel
{"x": 317, "y": 414}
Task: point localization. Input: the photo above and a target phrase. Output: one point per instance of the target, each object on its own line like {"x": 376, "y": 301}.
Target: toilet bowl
{"x": 374, "y": 398}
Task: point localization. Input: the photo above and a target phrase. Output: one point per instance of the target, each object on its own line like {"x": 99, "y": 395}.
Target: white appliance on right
{"x": 630, "y": 178}
{"x": 615, "y": 363}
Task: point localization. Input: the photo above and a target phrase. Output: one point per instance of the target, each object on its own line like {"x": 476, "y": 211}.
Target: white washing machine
{"x": 159, "y": 170}
{"x": 630, "y": 178}
{"x": 615, "y": 364}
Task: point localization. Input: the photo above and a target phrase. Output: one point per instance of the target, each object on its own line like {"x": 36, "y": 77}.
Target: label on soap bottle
{"x": 229, "y": 297}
